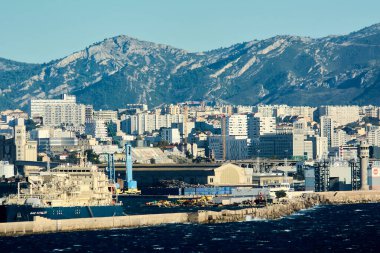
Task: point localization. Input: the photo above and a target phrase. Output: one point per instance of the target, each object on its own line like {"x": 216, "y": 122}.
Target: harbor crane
{"x": 111, "y": 168}
{"x": 130, "y": 185}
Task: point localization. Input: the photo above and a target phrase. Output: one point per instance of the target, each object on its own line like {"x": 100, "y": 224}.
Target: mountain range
{"x": 285, "y": 69}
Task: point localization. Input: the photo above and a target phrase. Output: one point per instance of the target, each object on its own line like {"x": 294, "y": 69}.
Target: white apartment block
{"x": 341, "y": 115}
{"x": 56, "y": 112}
{"x": 171, "y": 135}
{"x": 285, "y": 110}
{"x": 304, "y": 111}
{"x": 370, "y": 111}
{"x": 97, "y": 129}
{"x": 50, "y": 132}
{"x": 147, "y": 122}
{"x": 320, "y": 147}
{"x": 340, "y": 138}
{"x": 243, "y": 109}
{"x": 261, "y": 125}
{"x": 105, "y": 115}
{"x": 237, "y": 125}
{"x": 140, "y": 107}
{"x": 373, "y": 137}
{"x": 266, "y": 110}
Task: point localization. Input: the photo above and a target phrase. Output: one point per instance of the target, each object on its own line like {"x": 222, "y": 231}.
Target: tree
{"x": 92, "y": 156}
{"x": 111, "y": 129}
{"x": 280, "y": 194}
{"x": 189, "y": 155}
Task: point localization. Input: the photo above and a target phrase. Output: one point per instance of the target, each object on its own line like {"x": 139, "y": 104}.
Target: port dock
{"x": 296, "y": 201}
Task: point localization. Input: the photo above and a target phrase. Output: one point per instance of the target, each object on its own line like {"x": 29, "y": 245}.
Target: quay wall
{"x": 43, "y": 225}
{"x": 295, "y": 202}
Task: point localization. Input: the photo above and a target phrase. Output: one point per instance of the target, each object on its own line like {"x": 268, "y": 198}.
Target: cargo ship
{"x": 65, "y": 192}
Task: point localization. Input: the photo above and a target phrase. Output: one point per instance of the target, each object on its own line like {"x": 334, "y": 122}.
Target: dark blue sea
{"x": 340, "y": 228}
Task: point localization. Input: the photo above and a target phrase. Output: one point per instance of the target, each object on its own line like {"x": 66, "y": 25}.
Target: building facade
{"x": 55, "y": 112}
{"x": 236, "y": 149}
{"x": 171, "y": 135}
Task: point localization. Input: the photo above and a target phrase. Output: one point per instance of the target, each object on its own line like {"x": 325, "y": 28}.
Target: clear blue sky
{"x": 42, "y": 30}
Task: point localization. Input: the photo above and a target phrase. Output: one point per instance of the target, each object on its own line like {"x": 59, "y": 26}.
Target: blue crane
{"x": 131, "y": 185}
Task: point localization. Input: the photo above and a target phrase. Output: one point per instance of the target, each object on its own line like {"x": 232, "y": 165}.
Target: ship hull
{"x": 14, "y": 213}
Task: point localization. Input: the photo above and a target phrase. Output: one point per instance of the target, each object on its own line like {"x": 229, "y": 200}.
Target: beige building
{"x": 195, "y": 174}
{"x": 272, "y": 179}
{"x": 14, "y": 114}
{"x": 25, "y": 150}
{"x": 341, "y": 115}
{"x": 230, "y": 174}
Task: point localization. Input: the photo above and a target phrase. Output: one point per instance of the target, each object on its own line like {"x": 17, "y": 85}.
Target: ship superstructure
{"x": 62, "y": 193}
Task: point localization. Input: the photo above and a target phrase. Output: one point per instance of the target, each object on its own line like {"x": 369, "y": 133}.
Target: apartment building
{"x": 341, "y": 115}
{"x": 55, "y": 112}
{"x": 258, "y": 126}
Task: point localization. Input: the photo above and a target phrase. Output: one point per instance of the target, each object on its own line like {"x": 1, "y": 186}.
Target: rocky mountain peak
{"x": 282, "y": 69}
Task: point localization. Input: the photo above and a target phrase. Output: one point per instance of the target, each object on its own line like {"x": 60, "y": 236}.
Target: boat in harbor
{"x": 65, "y": 192}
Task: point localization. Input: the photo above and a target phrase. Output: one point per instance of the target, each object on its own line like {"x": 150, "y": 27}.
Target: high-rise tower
{"x": 364, "y": 160}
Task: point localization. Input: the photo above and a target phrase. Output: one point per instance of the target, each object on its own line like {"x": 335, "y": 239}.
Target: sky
{"x": 42, "y": 30}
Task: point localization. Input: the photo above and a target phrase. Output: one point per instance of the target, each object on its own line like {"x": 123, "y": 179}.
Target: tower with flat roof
{"x": 364, "y": 160}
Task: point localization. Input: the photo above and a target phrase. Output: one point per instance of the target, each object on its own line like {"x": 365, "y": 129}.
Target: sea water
{"x": 329, "y": 228}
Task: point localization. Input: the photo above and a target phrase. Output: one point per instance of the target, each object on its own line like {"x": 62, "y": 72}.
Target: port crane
{"x": 130, "y": 185}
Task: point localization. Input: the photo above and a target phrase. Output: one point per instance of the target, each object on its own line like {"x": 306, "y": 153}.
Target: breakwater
{"x": 295, "y": 202}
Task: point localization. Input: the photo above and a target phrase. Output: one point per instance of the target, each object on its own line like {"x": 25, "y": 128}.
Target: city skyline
{"x": 155, "y": 122}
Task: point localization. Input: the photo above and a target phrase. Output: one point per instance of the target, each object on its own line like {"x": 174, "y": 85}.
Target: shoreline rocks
{"x": 279, "y": 210}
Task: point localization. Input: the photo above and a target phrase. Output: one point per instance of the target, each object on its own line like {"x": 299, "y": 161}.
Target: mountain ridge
{"x": 339, "y": 69}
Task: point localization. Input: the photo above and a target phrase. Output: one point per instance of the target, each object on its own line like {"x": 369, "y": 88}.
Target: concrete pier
{"x": 296, "y": 202}
{"x": 43, "y": 225}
